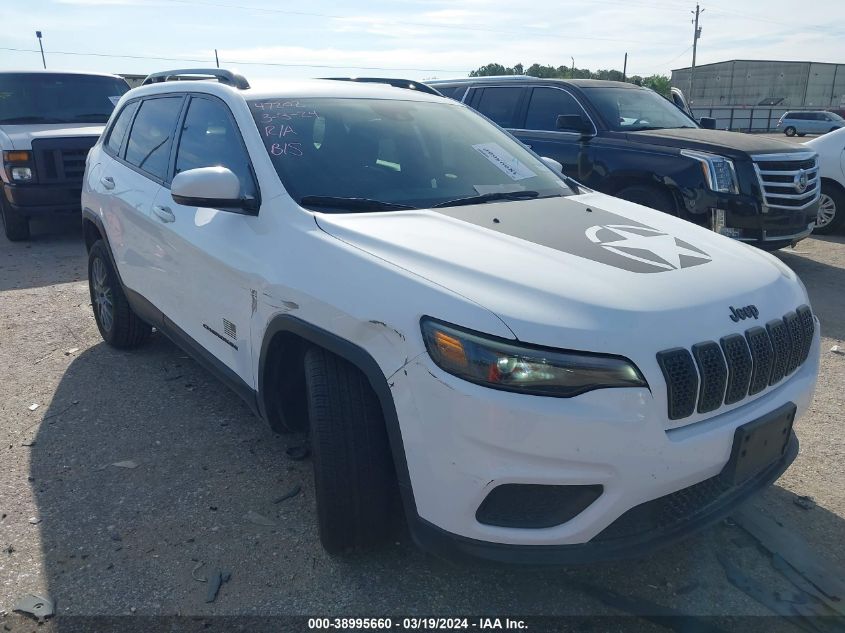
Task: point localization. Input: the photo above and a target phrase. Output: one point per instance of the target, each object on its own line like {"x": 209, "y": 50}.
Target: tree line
{"x": 658, "y": 83}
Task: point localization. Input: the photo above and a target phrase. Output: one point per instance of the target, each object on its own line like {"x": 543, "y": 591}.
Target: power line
{"x": 231, "y": 61}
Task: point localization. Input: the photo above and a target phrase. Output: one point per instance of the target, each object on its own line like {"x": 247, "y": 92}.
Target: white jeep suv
{"x": 541, "y": 373}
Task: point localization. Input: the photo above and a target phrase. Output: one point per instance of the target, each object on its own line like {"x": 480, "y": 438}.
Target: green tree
{"x": 658, "y": 83}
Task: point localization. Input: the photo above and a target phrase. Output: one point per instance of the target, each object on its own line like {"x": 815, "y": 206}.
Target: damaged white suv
{"x": 540, "y": 373}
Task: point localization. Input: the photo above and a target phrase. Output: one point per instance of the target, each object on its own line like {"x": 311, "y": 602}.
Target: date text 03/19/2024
{"x": 417, "y": 624}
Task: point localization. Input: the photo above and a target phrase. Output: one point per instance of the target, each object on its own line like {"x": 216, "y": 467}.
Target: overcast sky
{"x": 411, "y": 38}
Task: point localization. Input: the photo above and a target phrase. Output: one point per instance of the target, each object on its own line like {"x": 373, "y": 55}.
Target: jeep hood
{"x": 21, "y": 136}
{"x": 721, "y": 142}
{"x": 587, "y": 271}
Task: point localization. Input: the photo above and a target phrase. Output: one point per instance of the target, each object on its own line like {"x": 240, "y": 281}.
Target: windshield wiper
{"x": 352, "y": 204}
{"x": 30, "y": 119}
{"x": 488, "y": 197}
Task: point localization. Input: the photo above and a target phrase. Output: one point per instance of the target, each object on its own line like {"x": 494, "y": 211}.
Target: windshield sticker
{"x": 114, "y": 100}
{"x": 504, "y": 160}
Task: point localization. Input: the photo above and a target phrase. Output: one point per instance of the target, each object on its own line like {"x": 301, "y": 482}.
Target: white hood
{"x": 21, "y": 136}
{"x": 564, "y": 271}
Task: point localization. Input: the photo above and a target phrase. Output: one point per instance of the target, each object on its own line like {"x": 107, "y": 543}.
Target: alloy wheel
{"x": 827, "y": 210}
{"x": 102, "y": 294}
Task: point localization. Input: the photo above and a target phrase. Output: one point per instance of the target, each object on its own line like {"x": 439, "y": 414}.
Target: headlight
{"x": 510, "y": 366}
{"x": 718, "y": 171}
{"x": 21, "y": 173}
{"x": 18, "y": 165}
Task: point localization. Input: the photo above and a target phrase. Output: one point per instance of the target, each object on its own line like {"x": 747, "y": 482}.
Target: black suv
{"x": 632, "y": 143}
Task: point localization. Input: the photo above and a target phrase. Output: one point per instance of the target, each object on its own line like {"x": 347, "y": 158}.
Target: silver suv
{"x": 809, "y": 122}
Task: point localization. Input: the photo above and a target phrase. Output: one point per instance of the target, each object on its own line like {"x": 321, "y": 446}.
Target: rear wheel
{"x": 789, "y": 131}
{"x": 354, "y": 477}
{"x": 15, "y": 225}
{"x": 118, "y": 324}
{"x": 831, "y": 210}
{"x": 649, "y": 196}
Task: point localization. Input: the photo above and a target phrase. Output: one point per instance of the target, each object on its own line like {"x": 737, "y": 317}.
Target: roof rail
{"x": 408, "y": 84}
{"x": 223, "y": 76}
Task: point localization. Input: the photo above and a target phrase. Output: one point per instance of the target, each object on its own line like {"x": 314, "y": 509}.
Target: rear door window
{"x": 501, "y": 105}
{"x": 152, "y": 135}
{"x": 120, "y": 127}
{"x": 545, "y": 106}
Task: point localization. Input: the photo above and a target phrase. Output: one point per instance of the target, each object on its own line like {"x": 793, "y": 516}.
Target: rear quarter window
{"x": 120, "y": 127}
{"x": 151, "y": 137}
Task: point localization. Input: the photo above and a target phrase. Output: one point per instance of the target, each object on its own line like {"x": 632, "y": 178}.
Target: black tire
{"x": 834, "y": 197}
{"x": 833, "y": 129}
{"x": 354, "y": 477}
{"x": 802, "y": 134}
{"x": 124, "y": 329}
{"x": 15, "y": 225}
{"x": 649, "y": 196}
{"x": 790, "y": 131}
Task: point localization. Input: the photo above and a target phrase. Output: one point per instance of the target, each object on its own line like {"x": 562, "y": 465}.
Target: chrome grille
{"x": 788, "y": 181}
{"x": 716, "y": 374}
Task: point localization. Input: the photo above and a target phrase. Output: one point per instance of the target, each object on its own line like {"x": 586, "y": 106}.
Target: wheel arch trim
{"x": 364, "y": 362}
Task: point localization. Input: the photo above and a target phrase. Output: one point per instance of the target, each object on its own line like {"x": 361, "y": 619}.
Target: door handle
{"x": 107, "y": 182}
{"x": 164, "y": 213}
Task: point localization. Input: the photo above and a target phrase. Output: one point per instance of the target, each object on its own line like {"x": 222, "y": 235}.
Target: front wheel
{"x": 790, "y": 131}
{"x": 831, "y": 210}
{"x": 354, "y": 478}
{"x": 118, "y": 324}
{"x": 15, "y": 225}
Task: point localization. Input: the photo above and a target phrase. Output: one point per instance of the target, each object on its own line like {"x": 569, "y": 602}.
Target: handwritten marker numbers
{"x": 277, "y": 121}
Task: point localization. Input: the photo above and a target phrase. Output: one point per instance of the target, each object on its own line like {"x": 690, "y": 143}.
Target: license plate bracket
{"x": 758, "y": 444}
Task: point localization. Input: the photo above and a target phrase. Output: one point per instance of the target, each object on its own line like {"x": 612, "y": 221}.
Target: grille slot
{"x": 805, "y": 316}
{"x": 681, "y": 381}
{"x": 782, "y": 344}
{"x": 714, "y": 375}
{"x": 796, "y": 335}
{"x": 738, "y": 358}
{"x": 762, "y": 358}
{"x": 738, "y": 366}
{"x": 780, "y": 176}
{"x": 61, "y": 160}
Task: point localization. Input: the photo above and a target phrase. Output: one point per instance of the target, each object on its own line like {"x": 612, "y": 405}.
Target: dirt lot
{"x": 108, "y": 540}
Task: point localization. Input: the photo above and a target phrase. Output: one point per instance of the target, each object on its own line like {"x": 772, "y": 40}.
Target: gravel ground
{"x": 110, "y": 540}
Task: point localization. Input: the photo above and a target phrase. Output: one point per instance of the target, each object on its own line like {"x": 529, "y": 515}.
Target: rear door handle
{"x": 164, "y": 213}
{"x": 107, "y": 182}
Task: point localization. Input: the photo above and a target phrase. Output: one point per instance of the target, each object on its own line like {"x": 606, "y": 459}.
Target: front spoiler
{"x": 466, "y": 550}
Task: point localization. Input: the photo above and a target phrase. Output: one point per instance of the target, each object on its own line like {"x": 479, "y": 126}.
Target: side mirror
{"x": 552, "y": 164}
{"x": 575, "y": 123}
{"x": 708, "y": 123}
{"x": 209, "y": 187}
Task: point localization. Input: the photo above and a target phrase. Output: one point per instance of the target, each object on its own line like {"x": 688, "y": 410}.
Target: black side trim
{"x": 367, "y": 364}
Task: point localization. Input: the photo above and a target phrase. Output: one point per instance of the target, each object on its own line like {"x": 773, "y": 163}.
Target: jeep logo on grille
{"x": 747, "y": 312}
{"x": 801, "y": 181}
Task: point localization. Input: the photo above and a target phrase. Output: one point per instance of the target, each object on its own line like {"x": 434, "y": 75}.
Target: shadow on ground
{"x": 825, "y": 285}
{"x": 55, "y": 254}
{"x": 149, "y": 476}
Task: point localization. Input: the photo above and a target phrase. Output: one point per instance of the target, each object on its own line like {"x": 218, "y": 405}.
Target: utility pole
{"x": 695, "y": 35}
{"x": 572, "y": 72}
{"x": 625, "y": 68}
{"x": 216, "y": 59}
{"x": 43, "y": 61}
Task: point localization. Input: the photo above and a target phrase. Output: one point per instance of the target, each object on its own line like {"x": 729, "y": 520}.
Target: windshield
{"x": 374, "y": 154}
{"x": 57, "y": 98}
{"x": 629, "y": 110}
{"x": 835, "y": 116}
